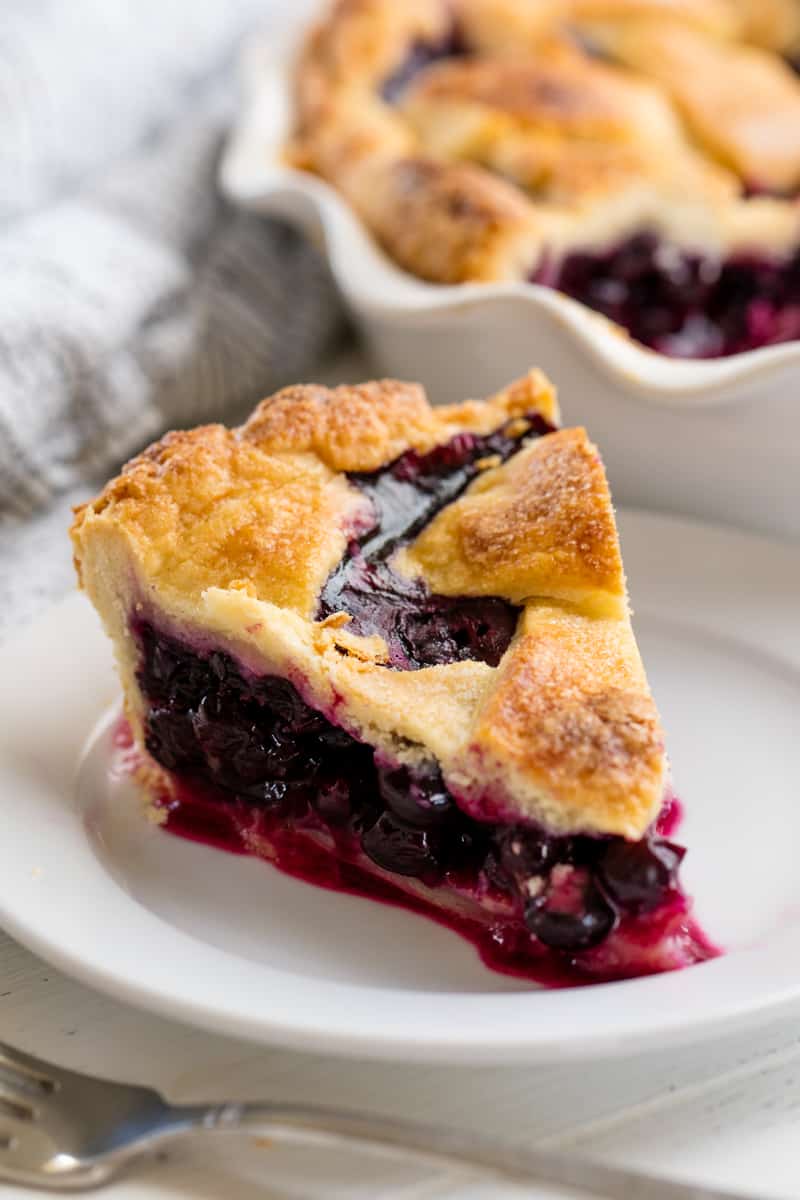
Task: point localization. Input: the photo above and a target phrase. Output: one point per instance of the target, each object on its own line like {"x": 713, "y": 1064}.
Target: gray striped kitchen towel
{"x": 132, "y": 297}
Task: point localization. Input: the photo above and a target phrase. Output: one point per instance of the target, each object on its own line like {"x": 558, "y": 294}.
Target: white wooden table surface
{"x": 727, "y": 1112}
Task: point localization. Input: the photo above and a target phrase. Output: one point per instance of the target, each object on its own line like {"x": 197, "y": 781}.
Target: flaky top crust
{"x": 226, "y": 536}
{"x": 541, "y": 525}
{"x": 562, "y": 92}
{"x": 529, "y": 145}
{"x": 265, "y": 508}
{"x": 741, "y": 103}
{"x": 774, "y": 24}
{"x": 571, "y": 708}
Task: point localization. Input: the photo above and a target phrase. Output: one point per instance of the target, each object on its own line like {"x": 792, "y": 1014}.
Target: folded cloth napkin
{"x": 132, "y": 296}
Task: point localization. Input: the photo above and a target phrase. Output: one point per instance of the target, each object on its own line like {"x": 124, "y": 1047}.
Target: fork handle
{"x": 332, "y": 1127}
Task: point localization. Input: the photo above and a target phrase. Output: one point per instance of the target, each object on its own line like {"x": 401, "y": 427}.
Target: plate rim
{"x": 498, "y": 1036}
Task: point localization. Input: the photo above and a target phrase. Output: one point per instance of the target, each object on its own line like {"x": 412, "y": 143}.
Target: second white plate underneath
{"x": 229, "y": 943}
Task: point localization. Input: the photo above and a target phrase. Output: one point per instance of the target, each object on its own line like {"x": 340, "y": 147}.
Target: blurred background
{"x": 132, "y": 296}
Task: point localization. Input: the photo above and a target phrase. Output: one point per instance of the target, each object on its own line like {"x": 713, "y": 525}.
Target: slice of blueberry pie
{"x": 388, "y": 647}
{"x": 642, "y": 156}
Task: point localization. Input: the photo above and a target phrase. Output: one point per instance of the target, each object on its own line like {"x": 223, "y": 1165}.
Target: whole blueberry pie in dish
{"x": 642, "y": 156}
{"x": 388, "y": 648}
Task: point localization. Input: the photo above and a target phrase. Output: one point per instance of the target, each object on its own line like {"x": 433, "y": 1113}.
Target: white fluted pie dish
{"x": 718, "y": 438}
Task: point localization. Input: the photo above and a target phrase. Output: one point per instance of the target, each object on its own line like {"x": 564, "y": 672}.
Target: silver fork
{"x": 64, "y": 1130}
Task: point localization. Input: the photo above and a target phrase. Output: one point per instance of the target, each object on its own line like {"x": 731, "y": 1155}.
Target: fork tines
{"x": 21, "y": 1074}
{"x": 15, "y": 1109}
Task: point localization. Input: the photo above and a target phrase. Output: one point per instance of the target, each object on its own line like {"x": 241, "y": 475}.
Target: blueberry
{"x": 272, "y": 793}
{"x": 218, "y": 733}
{"x": 336, "y": 739}
{"x": 222, "y": 666}
{"x": 169, "y": 672}
{"x": 523, "y": 852}
{"x": 439, "y": 629}
{"x": 332, "y": 801}
{"x": 169, "y": 737}
{"x": 283, "y": 799}
{"x": 467, "y": 850}
{"x": 566, "y": 909}
{"x": 495, "y": 873}
{"x": 282, "y": 753}
{"x": 420, "y": 799}
{"x": 572, "y": 931}
{"x": 401, "y": 848}
{"x": 639, "y": 875}
{"x": 284, "y": 701}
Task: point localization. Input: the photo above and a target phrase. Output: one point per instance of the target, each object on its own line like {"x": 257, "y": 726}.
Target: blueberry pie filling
{"x": 683, "y": 304}
{"x": 421, "y": 629}
{"x": 256, "y": 770}
{"x": 387, "y": 648}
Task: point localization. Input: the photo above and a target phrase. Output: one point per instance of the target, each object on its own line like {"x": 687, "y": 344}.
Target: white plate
{"x": 229, "y": 943}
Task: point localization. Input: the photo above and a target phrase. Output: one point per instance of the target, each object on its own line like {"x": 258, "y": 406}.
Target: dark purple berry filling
{"x": 681, "y": 304}
{"x": 579, "y": 923}
{"x": 421, "y": 629}
{"x": 420, "y": 56}
{"x": 633, "y": 874}
{"x": 259, "y": 745}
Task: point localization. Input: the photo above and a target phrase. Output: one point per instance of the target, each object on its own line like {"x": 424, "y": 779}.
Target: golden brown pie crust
{"x": 531, "y": 145}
